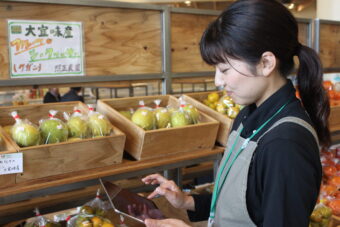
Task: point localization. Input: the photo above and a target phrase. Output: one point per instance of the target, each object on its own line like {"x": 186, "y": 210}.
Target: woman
{"x": 270, "y": 173}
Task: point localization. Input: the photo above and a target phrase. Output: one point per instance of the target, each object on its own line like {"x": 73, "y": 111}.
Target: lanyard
{"x": 217, "y": 188}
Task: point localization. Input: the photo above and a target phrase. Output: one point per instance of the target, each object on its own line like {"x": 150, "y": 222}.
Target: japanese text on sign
{"x": 11, "y": 163}
{"x": 45, "y": 48}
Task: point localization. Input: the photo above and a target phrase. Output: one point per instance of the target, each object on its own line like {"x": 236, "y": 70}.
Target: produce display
{"x": 162, "y": 117}
{"x": 24, "y": 132}
{"x": 224, "y": 104}
{"x": 53, "y": 130}
{"x": 99, "y": 125}
{"x": 329, "y": 198}
{"x": 91, "y": 214}
{"x": 333, "y": 91}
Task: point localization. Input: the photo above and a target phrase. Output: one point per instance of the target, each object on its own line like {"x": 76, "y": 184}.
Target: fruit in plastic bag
{"x": 99, "y": 125}
{"x": 127, "y": 113}
{"x": 162, "y": 116}
{"x": 77, "y": 124}
{"x": 233, "y": 111}
{"x": 24, "y": 132}
{"x": 180, "y": 118}
{"x": 8, "y": 129}
{"x": 320, "y": 216}
{"x": 86, "y": 209}
{"x": 53, "y": 130}
{"x": 144, "y": 117}
{"x": 192, "y": 112}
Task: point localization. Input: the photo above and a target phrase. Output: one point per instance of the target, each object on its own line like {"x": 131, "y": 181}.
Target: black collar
{"x": 254, "y": 116}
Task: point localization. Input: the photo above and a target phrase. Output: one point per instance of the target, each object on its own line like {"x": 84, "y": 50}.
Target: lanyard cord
{"x": 217, "y": 189}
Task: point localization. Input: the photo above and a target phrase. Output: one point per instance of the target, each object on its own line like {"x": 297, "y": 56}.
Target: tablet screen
{"x": 131, "y": 204}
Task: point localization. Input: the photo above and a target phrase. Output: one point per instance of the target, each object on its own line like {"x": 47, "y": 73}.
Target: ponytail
{"x": 312, "y": 93}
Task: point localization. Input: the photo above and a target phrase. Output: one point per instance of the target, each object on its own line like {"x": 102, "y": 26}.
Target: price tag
{"x": 11, "y": 163}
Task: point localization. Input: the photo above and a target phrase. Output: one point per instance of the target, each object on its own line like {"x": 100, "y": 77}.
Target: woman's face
{"x": 240, "y": 83}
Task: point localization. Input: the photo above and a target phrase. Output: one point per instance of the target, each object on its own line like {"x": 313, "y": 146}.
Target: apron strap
{"x": 295, "y": 120}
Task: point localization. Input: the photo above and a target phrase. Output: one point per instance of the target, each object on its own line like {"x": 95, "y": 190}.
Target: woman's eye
{"x": 224, "y": 70}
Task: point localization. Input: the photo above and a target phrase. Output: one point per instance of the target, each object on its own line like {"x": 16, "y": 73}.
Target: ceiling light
{"x": 188, "y": 3}
{"x": 291, "y": 6}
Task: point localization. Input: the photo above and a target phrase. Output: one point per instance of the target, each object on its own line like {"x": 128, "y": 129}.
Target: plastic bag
{"x": 144, "y": 117}
{"x": 77, "y": 124}
{"x": 53, "y": 130}
{"x": 191, "y": 111}
{"x": 99, "y": 125}
{"x": 24, "y": 132}
{"x": 40, "y": 221}
{"x": 162, "y": 115}
{"x": 82, "y": 220}
{"x": 180, "y": 117}
{"x": 127, "y": 113}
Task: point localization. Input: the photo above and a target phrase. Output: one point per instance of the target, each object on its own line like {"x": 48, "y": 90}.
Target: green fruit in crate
{"x": 316, "y": 216}
{"x": 73, "y": 139}
{"x": 325, "y": 222}
{"x": 126, "y": 114}
{"x": 227, "y": 101}
{"x": 100, "y": 212}
{"x": 180, "y": 118}
{"x": 25, "y": 134}
{"x": 162, "y": 117}
{"x": 99, "y": 125}
{"x": 221, "y": 108}
{"x": 78, "y": 127}
{"x": 192, "y": 112}
{"x": 83, "y": 222}
{"x": 325, "y": 211}
{"x": 144, "y": 118}
{"x": 53, "y": 131}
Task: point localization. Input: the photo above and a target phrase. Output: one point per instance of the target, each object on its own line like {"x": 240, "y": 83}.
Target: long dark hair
{"x": 247, "y": 29}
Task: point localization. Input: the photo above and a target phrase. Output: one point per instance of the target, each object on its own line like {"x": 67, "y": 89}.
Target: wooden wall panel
{"x": 116, "y": 41}
{"x": 186, "y": 32}
{"x": 330, "y": 45}
{"x": 303, "y": 33}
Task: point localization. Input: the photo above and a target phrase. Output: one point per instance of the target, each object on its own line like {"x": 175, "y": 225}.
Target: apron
{"x": 231, "y": 206}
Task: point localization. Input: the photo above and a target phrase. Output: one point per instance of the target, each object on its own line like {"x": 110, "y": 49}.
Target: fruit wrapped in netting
{"x": 162, "y": 115}
{"x": 77, "y": 124}
{"x": 99, "y": 125}
{"x": 144, "y": 117}
{"x": 53, "y": 130}
{"x": 24, "y": 132}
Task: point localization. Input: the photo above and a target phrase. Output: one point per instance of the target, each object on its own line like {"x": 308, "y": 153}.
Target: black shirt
{"x": 49, "y": 97}
{"x": 285, "y": 172}
{"x": 72, "y": 96}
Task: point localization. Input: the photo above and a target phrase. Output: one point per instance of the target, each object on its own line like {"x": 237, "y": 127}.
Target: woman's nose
{"x": 218, "y": 79}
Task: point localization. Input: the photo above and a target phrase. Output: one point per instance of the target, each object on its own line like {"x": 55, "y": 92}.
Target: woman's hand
{"x": 170, "y": 190}
{"x": 165, "y": 223}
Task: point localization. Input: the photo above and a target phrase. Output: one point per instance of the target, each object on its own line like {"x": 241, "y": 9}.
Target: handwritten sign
{"x": 45, "y": 48}
{"x": 11, "y": 163}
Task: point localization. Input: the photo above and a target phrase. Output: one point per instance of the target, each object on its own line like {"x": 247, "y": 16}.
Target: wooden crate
{"x": 143, "y": 144}
{"x": 196, "y": 99}
{"x": 53, "y": 159}
{"x": 5, "y": 148}
{"x": 334, "y": 118}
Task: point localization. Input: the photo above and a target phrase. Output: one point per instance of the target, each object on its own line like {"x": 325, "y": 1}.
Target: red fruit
{"x": 328, "y": 85}
{"x": 328, "y": 189}
{"x": 335, "y": 206}
{"x": 335, "y": 180}
{"x": 330, "y": 170}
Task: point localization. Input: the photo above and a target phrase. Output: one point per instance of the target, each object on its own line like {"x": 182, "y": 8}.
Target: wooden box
{"x": 5, "y": 148}
{"x": 196, "y": 99}
{"x": 143, "y": 144}
{"x": 334, "y": 118}
{"x": 53, "y": 159}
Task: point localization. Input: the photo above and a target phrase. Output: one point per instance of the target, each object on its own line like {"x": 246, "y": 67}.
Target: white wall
{"x": 328, "y": 9}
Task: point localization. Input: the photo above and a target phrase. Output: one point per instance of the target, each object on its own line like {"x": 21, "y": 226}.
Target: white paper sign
{"x": 11, "y": 163}
{"x": 45, "y": 48}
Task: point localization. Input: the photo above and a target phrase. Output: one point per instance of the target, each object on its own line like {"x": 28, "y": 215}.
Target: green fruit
{"x": 144, "y": 118}
{"x": 126, "y": 114}
{"x": 83, "y": 222}
{"x": 8, "y": 129}
{"x": 325, "y": 222}
{"x": 78, "y": 127}
{"x": 74, "y": 139}
{"x": 179, "y": 118}
{"x": 315, "y": 224}
{"x": 25, "y": 134}
{"x": 192, "y": 112}
{"x": 99, "y": 125}
{"x": 316, "y": 216}
{"x": 162, "y": 117}
{"x": 86, "y": 210}
{"x": 53, "y": 131}
{"x": 325, "y": 211}
{"x": 227, "y": 101}
{"x": 100, "y": 212}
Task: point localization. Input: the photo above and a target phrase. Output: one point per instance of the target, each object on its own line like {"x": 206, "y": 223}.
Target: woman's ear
{"x": 267, "y": 63}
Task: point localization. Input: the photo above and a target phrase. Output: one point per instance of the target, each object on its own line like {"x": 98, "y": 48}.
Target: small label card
{"x": 11, "y": 163}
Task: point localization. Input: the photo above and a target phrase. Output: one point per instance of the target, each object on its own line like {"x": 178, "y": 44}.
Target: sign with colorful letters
{"x": 45, "y": 48}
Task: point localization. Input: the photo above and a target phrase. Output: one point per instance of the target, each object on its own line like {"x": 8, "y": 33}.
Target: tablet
{"x": 130, "y": 204}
